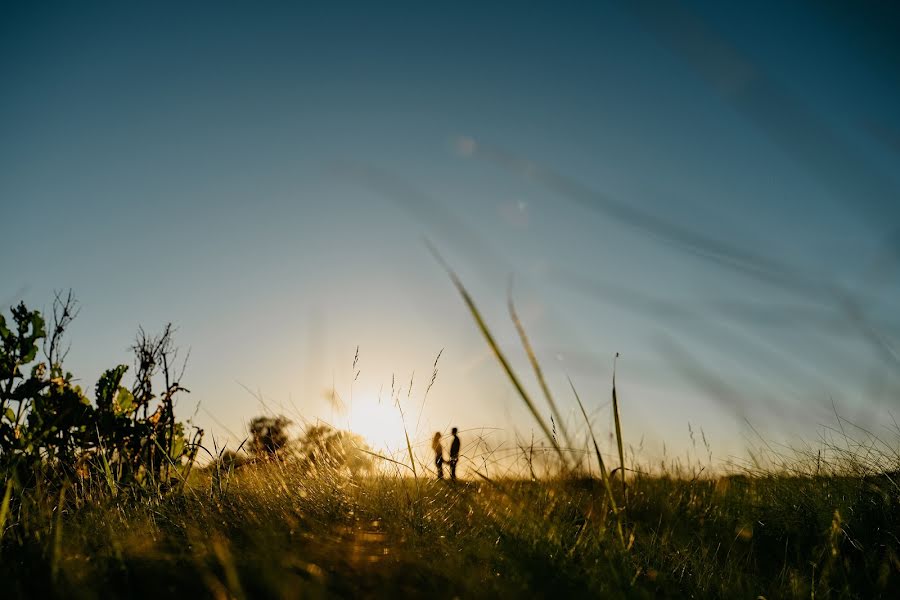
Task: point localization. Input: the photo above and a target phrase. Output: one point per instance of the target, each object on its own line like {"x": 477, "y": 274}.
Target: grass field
{"x": 277, "y": 531}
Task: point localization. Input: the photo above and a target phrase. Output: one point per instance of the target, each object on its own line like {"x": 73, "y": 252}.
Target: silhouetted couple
{"x": 439, "y": 454}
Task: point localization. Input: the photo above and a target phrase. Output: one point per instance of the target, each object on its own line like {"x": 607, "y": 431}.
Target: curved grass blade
{"x": 603, "y": 473}
{"x": 4, "y": 508}
{"x": 619, "y": 442}
{"x": 476, "y": 314}
{"x": 538, "y": 372}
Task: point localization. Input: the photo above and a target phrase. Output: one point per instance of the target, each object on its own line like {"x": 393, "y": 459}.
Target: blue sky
{"x": 263, "y": 176}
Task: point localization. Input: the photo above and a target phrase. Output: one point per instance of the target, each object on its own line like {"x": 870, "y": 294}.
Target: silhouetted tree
{"x": 324, "y": 447}
{"x": 269, "y": 436}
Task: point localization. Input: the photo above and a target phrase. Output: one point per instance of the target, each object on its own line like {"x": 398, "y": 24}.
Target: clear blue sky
{"x": 710, "y": 190}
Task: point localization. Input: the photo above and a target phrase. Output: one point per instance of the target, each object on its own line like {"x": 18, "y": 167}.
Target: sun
{"x": 379, "y": 423}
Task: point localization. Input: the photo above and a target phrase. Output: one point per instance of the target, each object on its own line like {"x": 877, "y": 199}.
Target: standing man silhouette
{"x": 454, "y": 455}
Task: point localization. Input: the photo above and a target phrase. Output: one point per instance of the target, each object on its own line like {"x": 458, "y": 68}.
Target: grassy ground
{"x": 278, "y": 532}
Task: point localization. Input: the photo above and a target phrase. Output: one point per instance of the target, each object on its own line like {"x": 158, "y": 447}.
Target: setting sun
{"x": 379, "y": 423}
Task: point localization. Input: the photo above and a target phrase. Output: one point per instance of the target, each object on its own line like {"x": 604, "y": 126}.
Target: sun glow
{"x": 379, "y": 423}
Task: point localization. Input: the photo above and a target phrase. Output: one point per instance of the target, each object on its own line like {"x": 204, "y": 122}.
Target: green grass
{"x": 278, "y": 532}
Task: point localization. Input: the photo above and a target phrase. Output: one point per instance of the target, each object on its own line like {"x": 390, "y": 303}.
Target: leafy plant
{"x": 51, "y": 432}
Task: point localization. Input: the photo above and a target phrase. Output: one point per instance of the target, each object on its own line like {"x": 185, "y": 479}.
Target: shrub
{"x": 269, "y": 436}
{"x": 50, "y": 430}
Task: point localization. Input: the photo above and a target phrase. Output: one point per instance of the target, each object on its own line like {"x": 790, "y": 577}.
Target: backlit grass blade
{"x": 538, "y": 372}
{"x": 4, "y": 508}
{"x": 412, "y": 459}
{"x": 58, "y": 534}
{"x": 107, "y": 471}
{"x": 383, "y": 457}
{"x": 476, "y": 314}
{"x": 619, "y": 442}
{"x": 604, "y": 475}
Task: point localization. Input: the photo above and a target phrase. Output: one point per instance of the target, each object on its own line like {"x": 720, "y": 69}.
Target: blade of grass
{"x": 110, "y": 480}
{"x": 412, "y": 460}
{"x": 434, "y": 373}
{"x": 57, "y": 534}
{"x": 170, "y": 461}
{"x": 476, "y": 314}
{"x": 4, "y": 508}
{"x": 604, "y": 475}
{"x": 383, "y": 457}
{"x": 619, "y": 442}
{"x": 538, "y": 372}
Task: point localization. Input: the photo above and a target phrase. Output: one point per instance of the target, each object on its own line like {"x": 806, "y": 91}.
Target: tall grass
{"x": 498, "y": 353}
{"x": 889, "y": 563}
{"x": 619, "y": 443}
{"x": 277, "y": 531}
{"x": 604, "y": 476}
{"x": 532, "y": 358}
{"x": 538, "y": 371}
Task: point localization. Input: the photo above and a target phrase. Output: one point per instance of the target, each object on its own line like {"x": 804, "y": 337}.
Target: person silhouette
{"x": 454, "y": 455}
{"x": 438, "y": 454}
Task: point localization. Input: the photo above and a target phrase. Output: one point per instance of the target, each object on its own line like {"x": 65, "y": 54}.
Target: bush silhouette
{"x": 320, "y": 447}
{"x": 50, "y": 430}
{"x": 269, "y": 436}
{"x": 324, "y": 447}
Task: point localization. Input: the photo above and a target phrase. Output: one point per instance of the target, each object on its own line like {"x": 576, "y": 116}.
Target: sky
{"x": 708, "y": 190}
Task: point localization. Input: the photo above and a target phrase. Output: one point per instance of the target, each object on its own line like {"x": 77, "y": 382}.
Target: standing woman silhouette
{"x": 438, "y": 454}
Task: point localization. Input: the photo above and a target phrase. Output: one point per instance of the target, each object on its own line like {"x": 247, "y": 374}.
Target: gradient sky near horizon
{"x": 710, "y": 190}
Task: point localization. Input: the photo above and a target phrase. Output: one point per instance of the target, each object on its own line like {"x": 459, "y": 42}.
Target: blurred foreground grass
{"x": 278, "y": 532}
